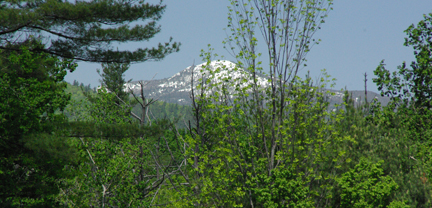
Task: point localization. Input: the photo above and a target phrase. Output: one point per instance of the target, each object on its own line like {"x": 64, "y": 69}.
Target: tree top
{"x": 84, "y": 30}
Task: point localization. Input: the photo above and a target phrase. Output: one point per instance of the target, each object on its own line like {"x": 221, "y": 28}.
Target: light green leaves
{"x": 366, "y": 186}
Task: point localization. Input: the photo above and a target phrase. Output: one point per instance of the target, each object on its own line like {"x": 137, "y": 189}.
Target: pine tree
{"x": 83, "y": 30}
{"x": 113, "y": 78}
{"x": 31, "y": 157}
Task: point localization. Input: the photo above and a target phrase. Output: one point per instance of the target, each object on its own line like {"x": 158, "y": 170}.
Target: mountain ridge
{"x": 177, "y": 88}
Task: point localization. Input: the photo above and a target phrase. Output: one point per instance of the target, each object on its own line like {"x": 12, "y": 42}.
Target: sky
{"x": 356, "y": 36}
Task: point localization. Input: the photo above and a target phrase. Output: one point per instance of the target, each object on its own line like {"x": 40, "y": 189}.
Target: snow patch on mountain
{"x": 177, "y": 88}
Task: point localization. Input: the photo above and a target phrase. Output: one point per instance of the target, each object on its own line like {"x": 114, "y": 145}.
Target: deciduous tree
{"x": 263, "y": 142}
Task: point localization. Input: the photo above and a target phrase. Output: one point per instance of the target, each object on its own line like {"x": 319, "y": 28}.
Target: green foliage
{"x": 366, "y": 186}
{"x": 78, "y": 109}
{"x": 276, "y": 144}
{"x": 411, "y": 85}
{"x": 122, "y": 163}
{"x": 23, "y": 79}
{"x": 104, "y": 108}
{"x": 381, "y": 135}
{"x": 159, "y": 110}
{"x": 270, "y": 142}
{"x": 32, "y": 90}
{"x": 120, "y": 169}
{"x": 107, "y": 174}
{"x": 76, "y": 92}
{"x": 83, "y": 30}
{"x": 287, "y": 29}
{"x": 241, "y": 158}
{"x": 410, "y": 90}
{"x": 284, "y": 188}
{"x": 113, "y": 79}
{"x": 253, "y": 142}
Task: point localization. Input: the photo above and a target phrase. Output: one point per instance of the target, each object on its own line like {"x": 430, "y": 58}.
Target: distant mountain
{"x": 177, "y": 89}
{"x": 358, "y": 97}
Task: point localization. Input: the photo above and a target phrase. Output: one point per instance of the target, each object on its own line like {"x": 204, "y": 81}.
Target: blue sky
{"x": 356, "y": 36}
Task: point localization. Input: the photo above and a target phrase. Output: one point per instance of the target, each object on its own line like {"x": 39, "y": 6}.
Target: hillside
{"x": 158, "y": 110}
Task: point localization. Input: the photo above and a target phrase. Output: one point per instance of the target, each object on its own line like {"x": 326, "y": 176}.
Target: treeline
{"x": 84, "y": 87}
{"x": 159, "y": 110}
{"x": 365, "y": 156}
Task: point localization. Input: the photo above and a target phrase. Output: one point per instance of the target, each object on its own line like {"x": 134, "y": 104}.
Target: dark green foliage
{"x": 381, "y": 135}
{"x": 32, "y": 89}
{"x": 106, "y": 107}
{"x": 98, "y": 130}
{"x": 411, "y": 92}
{"x": 411, "y": 85}
{"x": 83, "y": 30}
{"x": 75, "y": 83}
{"x": 113, "y": 79}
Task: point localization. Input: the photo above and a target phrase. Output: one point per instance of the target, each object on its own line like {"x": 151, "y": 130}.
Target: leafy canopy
{"x": 31, "y": 90}
{"x": 411, "y": 84}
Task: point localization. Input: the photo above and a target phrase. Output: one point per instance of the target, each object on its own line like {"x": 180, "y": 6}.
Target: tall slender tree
{"x": 263, "y": 142}
{"x": 113, "y": 78}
